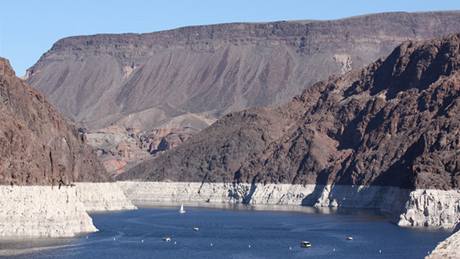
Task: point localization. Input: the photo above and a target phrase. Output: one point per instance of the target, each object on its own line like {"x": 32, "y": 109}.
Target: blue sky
{"x": 29, "y": 28}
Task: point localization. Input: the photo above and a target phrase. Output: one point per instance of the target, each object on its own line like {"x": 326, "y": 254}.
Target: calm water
{"x": 237, "y": 233}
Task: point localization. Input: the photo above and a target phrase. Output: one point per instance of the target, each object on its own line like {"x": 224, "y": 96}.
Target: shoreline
{"x": 52, "y": 211}
{"x": 38, "y": 212}
{"x": 419, "y": 208}
{"x": 364, "y": 215}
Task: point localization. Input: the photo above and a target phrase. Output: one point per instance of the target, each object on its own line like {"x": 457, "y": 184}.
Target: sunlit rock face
{"x": 37, "y": 145}
{"x": 146, "y": 80}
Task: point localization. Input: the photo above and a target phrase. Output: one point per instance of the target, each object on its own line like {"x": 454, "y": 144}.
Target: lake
{"x": 236, "y": 232}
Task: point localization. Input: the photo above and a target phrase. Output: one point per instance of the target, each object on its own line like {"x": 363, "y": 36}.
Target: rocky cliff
{"x": 394, "y": 123}
{"x": 37, "y": 145}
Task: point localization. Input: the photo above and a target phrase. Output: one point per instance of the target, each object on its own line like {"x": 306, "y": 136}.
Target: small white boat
{"x": 196, "y": 229}
{"x": 167, "y": 239}
{"x": 305, "y": 244}
{"x": 349, "y": 238}
{"x": 182, "y": 210}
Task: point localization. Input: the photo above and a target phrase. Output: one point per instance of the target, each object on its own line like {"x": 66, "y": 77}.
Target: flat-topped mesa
{"x": 279, "y": 30}
{"x": 38, "y": 146}
{"x": 214, "y": 69}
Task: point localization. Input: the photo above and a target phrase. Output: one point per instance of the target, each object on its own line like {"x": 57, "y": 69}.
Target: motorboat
{"x": 305, "y": 244}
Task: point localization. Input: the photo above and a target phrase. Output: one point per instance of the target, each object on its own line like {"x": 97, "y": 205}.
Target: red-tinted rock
{"x": 38, "y": 146}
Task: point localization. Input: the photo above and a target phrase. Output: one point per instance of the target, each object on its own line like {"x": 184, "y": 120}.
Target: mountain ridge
{"x": 226, "y": 67}
{"x": 393, "y": 123}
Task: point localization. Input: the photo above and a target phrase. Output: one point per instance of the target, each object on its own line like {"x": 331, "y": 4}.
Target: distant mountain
{"x": 38, "y": 146}
{"x": 190, "y": 76}
{"x": 394, "y": 123}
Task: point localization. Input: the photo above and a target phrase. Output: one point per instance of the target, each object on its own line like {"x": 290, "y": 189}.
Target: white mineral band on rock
{"x": 46, "y": 211}
{"x": 427, "y": 208}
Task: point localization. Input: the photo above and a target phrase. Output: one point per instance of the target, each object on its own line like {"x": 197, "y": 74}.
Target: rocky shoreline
{"x": 420, "y": 208}
{"x": 52, "y": 211}
{"x": 448, "y": 248}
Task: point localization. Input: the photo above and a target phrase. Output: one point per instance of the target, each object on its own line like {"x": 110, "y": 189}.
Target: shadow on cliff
{"x": 320, "y": 185}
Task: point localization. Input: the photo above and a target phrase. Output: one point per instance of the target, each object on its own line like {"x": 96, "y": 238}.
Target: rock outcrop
{"x": 432, "y": 208}
{"x": 449, "y": 248}
{"x": 37, "y": 145}
{"x": 42, "y": 211}
{"x": 120, "y": 149}
{"x": 52, "y": 211}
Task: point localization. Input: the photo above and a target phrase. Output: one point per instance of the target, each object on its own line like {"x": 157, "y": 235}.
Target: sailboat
{"x": 181, "y": 210}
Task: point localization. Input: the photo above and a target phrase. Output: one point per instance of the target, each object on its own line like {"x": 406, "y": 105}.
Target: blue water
{"x": 239, "y": 233}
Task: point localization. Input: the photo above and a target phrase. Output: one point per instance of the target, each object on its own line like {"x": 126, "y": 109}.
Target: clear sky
{"x": 29, "y": 28}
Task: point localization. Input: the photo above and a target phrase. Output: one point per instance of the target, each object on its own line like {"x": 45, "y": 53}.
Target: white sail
{"x": 182, "y": 209}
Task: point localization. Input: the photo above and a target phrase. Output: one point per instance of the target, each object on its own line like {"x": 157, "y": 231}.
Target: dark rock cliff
{"x": 37, "y": 146}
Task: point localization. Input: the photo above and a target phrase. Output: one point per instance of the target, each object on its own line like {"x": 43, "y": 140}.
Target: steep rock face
{"x": 37, "y": 146}
{"x": 145, "y": 80}
{"x": 394, "y": 123}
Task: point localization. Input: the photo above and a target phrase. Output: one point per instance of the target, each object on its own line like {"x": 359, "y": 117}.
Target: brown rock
{"x": 147, "y": 80}
{"x": 395, "y": 123}
{"x": 37, "y": 146}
